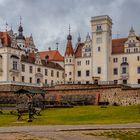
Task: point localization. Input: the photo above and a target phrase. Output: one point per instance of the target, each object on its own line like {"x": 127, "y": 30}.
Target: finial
{"x": 57, "y": 45}
{"x": 20, "y": 20}
{"x": 69, "y": 29}
{"x": 6, "y": 26}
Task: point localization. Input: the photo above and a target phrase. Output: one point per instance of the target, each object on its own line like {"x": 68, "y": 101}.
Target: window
{"x": 87, "y": 49}
{"x": 124, "y": 70}
{"x": 87, "y": 73}
{"x": 14, "y": 65}
{"x": 22, "y": 78}
{"x": 70, "y": 60}
{"x": 23, "y": 68}
{"x": 124, "y": 59}
{"x": 87, "y": 82}
{"x": 38, "y": 70}
{"x": 98, "y": 40}
{"x": 79, "y": 82}
{"x": 115, "y": 71}
{"x": 124, "y": 81}
{"x": 99, "y": 28}
{"x": 51, "y": 73}
{"x": 46, "y": 81}
{"x": 51, "y": 82}
{"x": 30, "y": 79}
{"x": 46, "y": 72}
{"x": 115, "y": 81}
{"x": 14, "y": 78}
{"x": 115, "y": 60}
{"x": 69, "y": 73}
{"x": 138, "y": 58}
{"x": 138, "y": 70}
{"x": 57, "y": 74}
{"x": 78, "y": 73}
{"x": 99, "y": 49}
{"x": 79, "y": 63}
{"x": 31, "y": 69}
{"x": 38, "y": 81}
{"x": 87, "y": 62}
{"x": 99, "y": 70}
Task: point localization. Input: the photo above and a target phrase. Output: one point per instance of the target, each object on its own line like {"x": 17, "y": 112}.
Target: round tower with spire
{"x": 20, "y": 39}
{"x": 69, "y": 60}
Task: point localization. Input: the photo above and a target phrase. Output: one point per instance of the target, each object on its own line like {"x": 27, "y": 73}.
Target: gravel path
{"x": 59, "y": 132}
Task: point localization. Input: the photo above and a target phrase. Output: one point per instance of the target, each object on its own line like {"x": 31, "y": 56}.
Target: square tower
{"x": 101, "y": 47}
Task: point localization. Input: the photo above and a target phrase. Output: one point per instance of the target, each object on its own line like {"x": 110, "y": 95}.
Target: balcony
{"x": 124, "y": 76}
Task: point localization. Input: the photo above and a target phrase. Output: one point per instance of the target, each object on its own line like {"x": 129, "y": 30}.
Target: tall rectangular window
{"x": 87, "y": 73}
{"x": 30, "y": 79}
{"x": 138, "y": 58}
{"x": 22, "y": 78}
{"x": 46, "y": 72}
{"x": 52, "y": 73}
{"x": 115, "y": 71}
{"x": 99, "y": 70}
{"x": 23, "y": 67}
{"x": 78, "y": 73}
{"x": 124, "y": 70}
{"x": 15, "y": 65}
{"x": 138, "y": 70}
{"x": 46, "y": 82}
{"x": 31, "y": 69}
{"x": 57, "y": 74}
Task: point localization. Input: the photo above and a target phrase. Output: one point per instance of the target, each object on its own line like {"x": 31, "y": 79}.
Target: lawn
{"x": 78, "y": 115}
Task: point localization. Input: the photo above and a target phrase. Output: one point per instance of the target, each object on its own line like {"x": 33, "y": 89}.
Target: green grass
{"x": 119, "y": 134}
{"x": 78, "y": 115}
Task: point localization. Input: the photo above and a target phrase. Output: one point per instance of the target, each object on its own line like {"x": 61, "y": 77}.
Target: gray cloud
{"x": 48, "y": 20}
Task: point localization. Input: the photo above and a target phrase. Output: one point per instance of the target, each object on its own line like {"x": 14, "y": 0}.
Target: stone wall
{"x": 114, "y": 94}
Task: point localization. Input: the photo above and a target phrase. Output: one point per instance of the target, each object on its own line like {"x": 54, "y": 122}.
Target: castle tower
{"x": 102, "y": 45}
{"x": 69, "y": 61}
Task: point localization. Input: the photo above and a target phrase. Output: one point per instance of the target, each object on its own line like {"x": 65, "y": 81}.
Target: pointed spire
{"x": 132, "y": 32}
{"x": 6, "y": 24}
{"x": 69, "y": 37}
{"x": 69, "y": 48}
{"x": 20, "y": 20}
{"x": 88, "y": 37}
{"x": 79, "y": 38}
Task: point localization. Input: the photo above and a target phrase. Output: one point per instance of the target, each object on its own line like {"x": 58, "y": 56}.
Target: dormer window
{"x": 47, "y": 57}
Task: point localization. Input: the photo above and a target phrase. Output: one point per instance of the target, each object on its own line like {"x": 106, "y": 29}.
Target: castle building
{"x": 98, "y": 59}
{"x": 101, "y": 59}
{"x": 20, "y": 61}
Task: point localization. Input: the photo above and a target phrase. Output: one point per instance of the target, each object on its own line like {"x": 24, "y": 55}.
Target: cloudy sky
{"x": 48, "y": 20}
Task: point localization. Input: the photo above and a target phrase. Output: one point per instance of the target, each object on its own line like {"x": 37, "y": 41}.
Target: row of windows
{"x": 87, "y": 62}
{"x": 39, "y": 70}
{"x": 124, "y": 70}
{"x": 124, "y": 59}
{"x": 125, "y": 81}
{"x": 79, "y": 73}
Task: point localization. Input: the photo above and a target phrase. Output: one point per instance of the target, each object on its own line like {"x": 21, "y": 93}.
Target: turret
{"x": 69, "y": 60}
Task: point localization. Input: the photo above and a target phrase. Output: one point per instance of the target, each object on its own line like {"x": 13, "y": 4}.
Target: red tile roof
{"x": 53, "y": 55}
{"x": 5, "y": 38}
{"x": 49, "y": 64}
{"x": 78, "y": 51}
{"x": 118, "y": 45}
{"x": 69, "y": 48}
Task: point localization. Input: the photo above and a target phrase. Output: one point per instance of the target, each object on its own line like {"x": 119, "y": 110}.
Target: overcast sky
{"x": 48, "y": 20}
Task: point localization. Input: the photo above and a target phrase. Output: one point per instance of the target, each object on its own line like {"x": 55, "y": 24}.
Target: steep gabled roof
{"x": 5, "y": 38}
{"x": 53, "y": 55}
{"x": 78, "y": 51}
{"x": 118, "y": 45}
